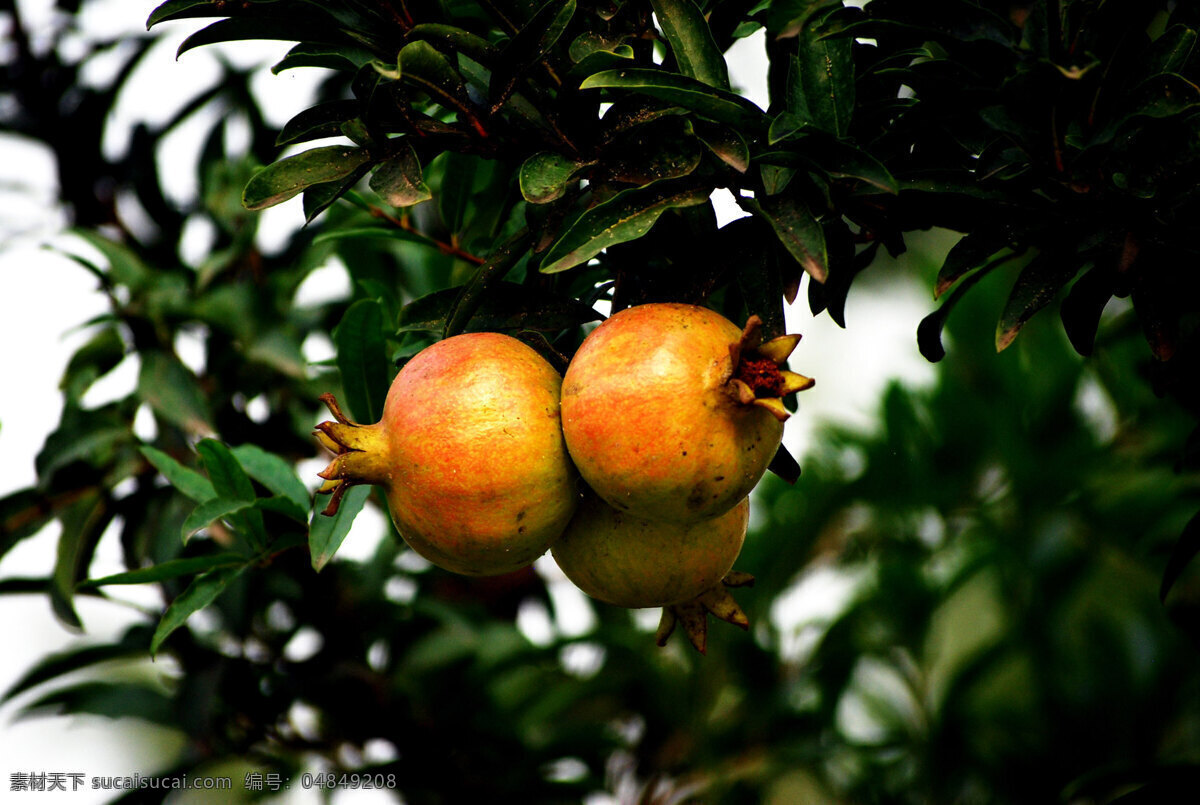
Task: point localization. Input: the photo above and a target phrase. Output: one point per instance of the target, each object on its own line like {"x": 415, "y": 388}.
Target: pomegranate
{"x": 632, "y": 562}
{"x": 671, "y": 412}
{"x": 469, "y": 452}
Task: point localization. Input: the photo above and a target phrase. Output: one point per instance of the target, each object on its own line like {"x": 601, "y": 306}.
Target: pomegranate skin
{"x": 633, "y": 562}
{"x": 649, "y": 418}
{"x": 470, "y": 454}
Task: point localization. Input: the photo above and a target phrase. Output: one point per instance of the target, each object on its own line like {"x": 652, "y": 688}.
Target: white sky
{"x": 49, "y": 297}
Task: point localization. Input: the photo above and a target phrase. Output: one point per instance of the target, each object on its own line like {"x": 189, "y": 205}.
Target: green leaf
{"x": 284, "y": 179}
{"x": 460, "y": 174}
{"x": 320, "y": 196}
{"x": 317, "y": 122}
{"x": 115, "y": 700}
{"x": 187, "y": 481}
{"x": 93, "y": 360}
{"x": 820, "y": 85}
{"x": 281, "y": 504}
{"x": 274, "y": 28}
{"x": 710, "y": 102}
{"x": 422, "y": 66}
{"x": 725, "y": 142}
{"x": 52, "y": 666}
{"x": 835, "y": 158}
{"x": 1171, "y": 51}
{"x": 369, "y": 233}
{"x": 692, "y": 44}
{"x": 170, "y": 569}
{"x": 209, "y": 511}
{"x": 1036, "y": 286}
{"x": 325, "y": 534}
{"x": 1182, "y": 554}
{"x": 450, "y": 39}
{"x": 203, "y": 590}
{"x": 504, "y": 306}
{"x": 971, "y": 252}
{"x": 23, "y": 513}
{"x": 228, "y": 478}
{"x": 546, "y": 176}
{"x": 529, "y": 46}
{"x": 502, "y": 259}
{"x": 363, "y": 360}
{"x": 83, "y": 522}
{"x": 346, "y": 58}
{"x": 399, "y": 180}
{"x": 125, "y": 267}
{"x": 273, "y": 472}
{"x": 929, "y": 331}
{"x": 797, "y": 229}
{"x": 624, "y": 217}
{"x": 1165, "y": 95}
{"x": 184, "y": 9}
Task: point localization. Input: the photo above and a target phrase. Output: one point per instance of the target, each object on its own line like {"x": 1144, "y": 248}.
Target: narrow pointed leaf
{"x": 502, "y": 259}
{"x": 209, "y": 511}
{"x": 203, "y": 590}
{"x": 325, "y": 534}
{"x": 821, "y": 81}
{"x": 82, "y": 524}
{"x": 624, "y": 217}
{"x": 422, "y": 66}
{"x": 186, "y": 480}
{"x": 319, "y": 197}
{"x": 115, "y": 700}
{"x": 174, "y": 392}
{"x": 362, "y": 359}
{"x": 23, "y": 513}
{"x": 399, "y": 180}
{"x": 170, "y": 569}
{"x": 711, "y": 102}
{"x": 228, "y": 477}
{"x": 274, "y": 28}
{"x": 273, "y": 472}
{"x": 52, "y": 666}
{"x": 546, "y": 176}
{"x": 725, "y": 142}
{"x": 798, "y": 230}
{"x": 316, "y": 122}
{"x": 528, "y": 47}
{"x": 692, "y": 44}
{"x": 969, "y": 253}
{"x": 1036, "y": 286}
{"x": 1185, "y": 550}
{"x": 504, "y": 307}
{"x": 288, "y": 177}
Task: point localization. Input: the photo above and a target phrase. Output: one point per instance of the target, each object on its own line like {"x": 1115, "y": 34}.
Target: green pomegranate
{"x": 671, "y": 412}
{"x": 631, "y": 562}
{"x": 469, "y": 453}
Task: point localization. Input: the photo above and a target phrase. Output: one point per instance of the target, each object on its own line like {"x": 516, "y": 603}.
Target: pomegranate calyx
{"x": 359, "y": 454}
{"x": 759, "y": 377}
{"x": 716, "y": 601}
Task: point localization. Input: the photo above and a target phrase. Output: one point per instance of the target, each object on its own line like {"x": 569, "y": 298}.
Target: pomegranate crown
{"x": 759, "y": 377}
{"x": 357, "y": 450}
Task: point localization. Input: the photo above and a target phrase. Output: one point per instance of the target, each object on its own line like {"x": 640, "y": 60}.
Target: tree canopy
{"x": 1006, "y": 556}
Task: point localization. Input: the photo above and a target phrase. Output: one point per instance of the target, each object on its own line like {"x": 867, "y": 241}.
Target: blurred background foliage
{"x": 958, "y": 604}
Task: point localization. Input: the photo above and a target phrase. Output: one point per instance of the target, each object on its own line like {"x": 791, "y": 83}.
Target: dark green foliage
{"x": 1021, "y": 611}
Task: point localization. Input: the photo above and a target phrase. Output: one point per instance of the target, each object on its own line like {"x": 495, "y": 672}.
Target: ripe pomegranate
{"x": 469, "y": 452}
{"x": 632, "y": 562}
{"x": 671, "y": 412}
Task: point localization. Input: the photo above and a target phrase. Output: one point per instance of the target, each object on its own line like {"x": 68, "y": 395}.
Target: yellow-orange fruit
{"x": 633, "y": 562}
{"x": 469, "y": 452}
{"x": 671, "y": 412}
